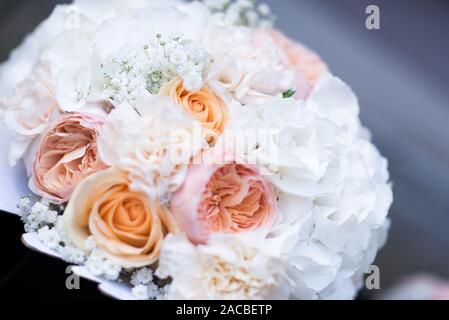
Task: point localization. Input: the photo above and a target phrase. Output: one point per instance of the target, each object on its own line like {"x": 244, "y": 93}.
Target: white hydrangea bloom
{"x": 333, "y": 187}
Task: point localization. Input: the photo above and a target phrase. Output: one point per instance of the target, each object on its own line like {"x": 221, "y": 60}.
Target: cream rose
{"x": 126, "y": 225}
{"x": 204, "y": 105}
{"x": 67, "y": 154}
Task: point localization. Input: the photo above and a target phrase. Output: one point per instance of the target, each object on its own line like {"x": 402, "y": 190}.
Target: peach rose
{"x": 228, "y": 197}
{"x": 67, "y": 154}
{"x": 307, "y": 64}
{"x": 204, "y": 105}
{"x": 126, "y": 225}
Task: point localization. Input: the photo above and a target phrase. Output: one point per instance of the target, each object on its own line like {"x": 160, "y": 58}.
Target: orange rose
{"x": 126, "y": 225}
{"x": 204, "y": 105}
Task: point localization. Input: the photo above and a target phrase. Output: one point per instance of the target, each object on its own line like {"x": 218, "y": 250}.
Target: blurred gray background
{"x": 401, "y": 75}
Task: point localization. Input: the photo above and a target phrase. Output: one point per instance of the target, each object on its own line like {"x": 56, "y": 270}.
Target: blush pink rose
{"x": 229, "y": 197}
{"x": 308, "y": 65}
{"x": 67, "y": 154}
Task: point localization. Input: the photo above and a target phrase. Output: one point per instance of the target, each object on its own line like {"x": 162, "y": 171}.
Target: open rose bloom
{"x": 125, "y": 224}
{"x": 67, "y": 154}
{"x": 118, "y": 109}
{"x": 230, "y": 197}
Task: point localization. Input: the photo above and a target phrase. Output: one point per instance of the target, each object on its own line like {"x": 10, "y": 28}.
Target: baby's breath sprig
{"x": 36, "y": 214}
{"x": 247, "y": 13}
{"x": 160, "y": 61}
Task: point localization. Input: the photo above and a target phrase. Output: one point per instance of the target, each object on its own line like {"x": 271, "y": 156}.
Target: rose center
{"x": 126, "y": 216}
{"x": 233, "y": 201}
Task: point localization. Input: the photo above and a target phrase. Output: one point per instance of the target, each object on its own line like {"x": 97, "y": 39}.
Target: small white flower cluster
{"x": 46, "y": 222}
{"x": 99, "y": 265}
{"x": 156, "y": 64}
{"x": 144, "y": 286}
{"x": 48, "y": 225}
{"x": 55, "y": 239}
{"x": 142, "y": 276}
{"x": 241, "y": 12}
{"x": 50, "y": 237}
{"x": 122, "y": 80}
{"x": 37, "y": 215}
{"x": 72, "y": 254}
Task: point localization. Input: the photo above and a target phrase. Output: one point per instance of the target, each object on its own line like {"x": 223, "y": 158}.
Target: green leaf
{"x": 288, "y": 94}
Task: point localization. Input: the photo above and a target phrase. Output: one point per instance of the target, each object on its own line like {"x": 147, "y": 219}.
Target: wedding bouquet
{"x": 189, "y": 150}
